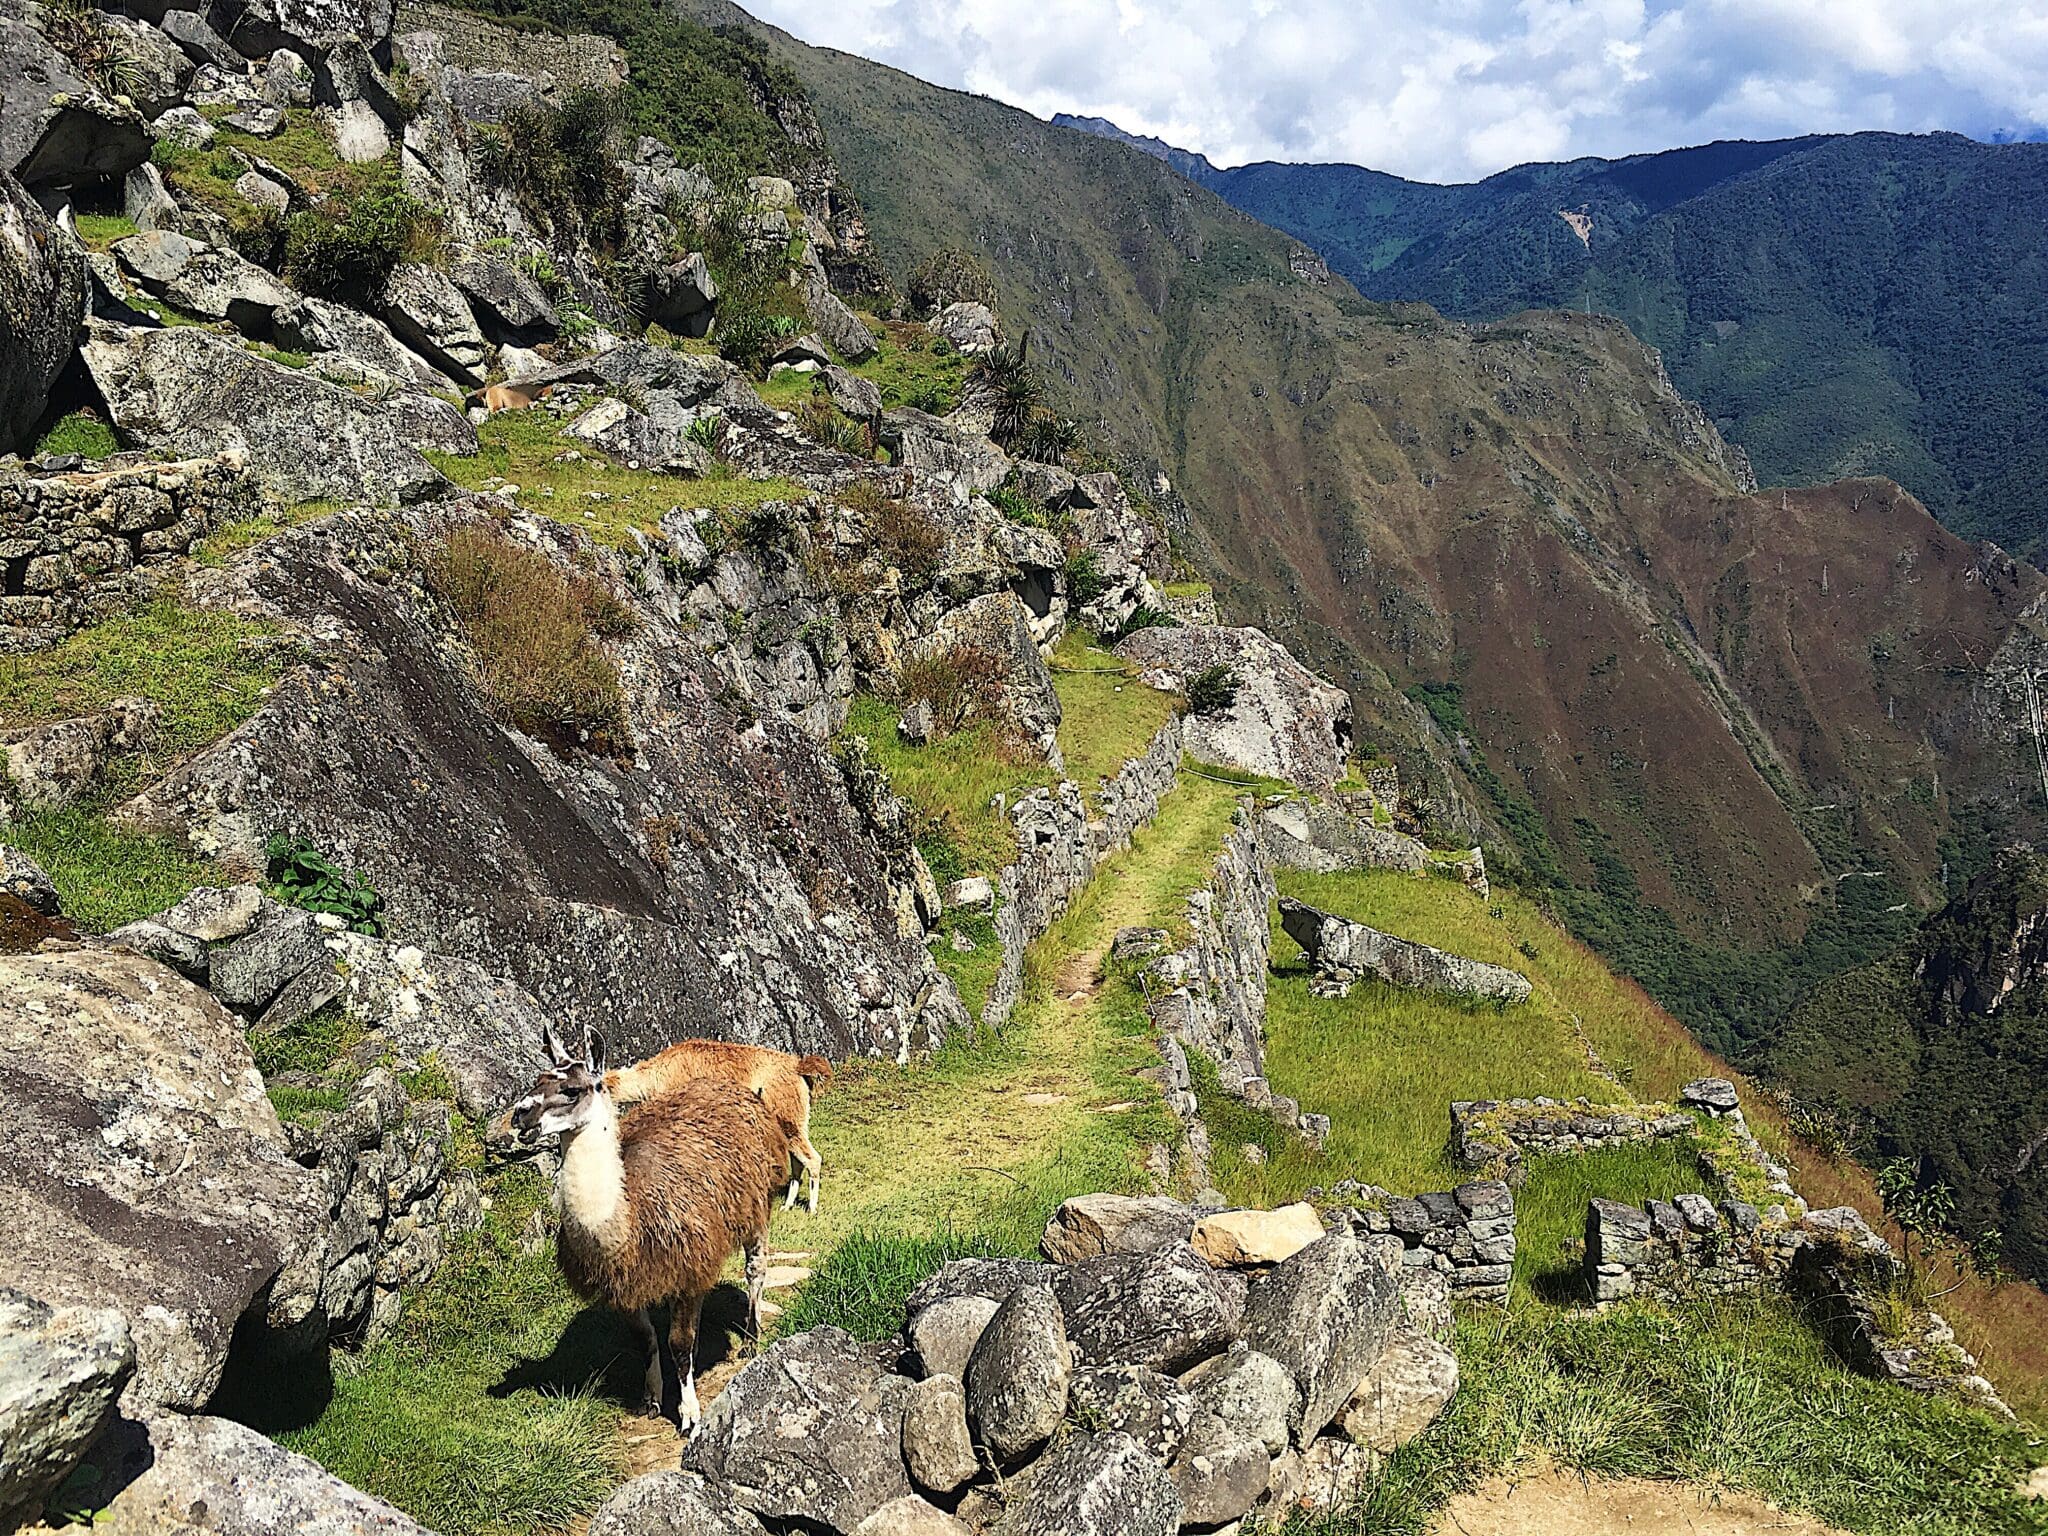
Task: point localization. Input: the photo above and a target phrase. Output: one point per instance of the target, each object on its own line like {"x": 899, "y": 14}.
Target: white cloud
{"x": 1456, "y": 89}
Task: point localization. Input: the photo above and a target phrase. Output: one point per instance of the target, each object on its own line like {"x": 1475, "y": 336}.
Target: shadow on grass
{"x": 600, "y": 1352}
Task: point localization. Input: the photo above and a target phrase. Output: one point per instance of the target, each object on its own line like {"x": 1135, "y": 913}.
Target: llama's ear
{"x": 594, "y": 1052}
{"x": 552, "y": 1044}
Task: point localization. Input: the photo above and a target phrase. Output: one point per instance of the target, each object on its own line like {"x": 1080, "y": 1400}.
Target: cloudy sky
{"x": 1449, "y": 90}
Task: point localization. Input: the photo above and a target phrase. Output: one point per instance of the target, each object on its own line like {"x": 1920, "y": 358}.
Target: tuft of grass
{"x": 863, "y": 1284}
{"x": 82, "y": 433}
{"x": 493, "y": 1405}
{"x": 207, "y": 671}
{"x": 1550, "y": 1207}
{"x": 106, "y": 876}
{"x": 974, "y": 971}
{"x": 1107, "y": 717}
{"x": 311, "y": 1046}
{"x": 606, "y": 500}
{"x": 916, "y": 367}
{"x": 265, "y": 522}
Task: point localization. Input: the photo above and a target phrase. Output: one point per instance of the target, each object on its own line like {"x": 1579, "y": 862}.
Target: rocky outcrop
{"x": 47, "y": 767}
{"x": 1344, "y": 952}
{"x": 200, "y": 280}
{"x": 42, "y": 304}
{"x": 145, "y": 1169}
{"x": 192, "y": 393}
{"x": 1286, "y": 722}
{"x": 60, "y": 1374}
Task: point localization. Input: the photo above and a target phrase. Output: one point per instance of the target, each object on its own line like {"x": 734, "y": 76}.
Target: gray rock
{"x": 937, "y": 1446}
{"x": 911, "y": 1516}
{"x": 990, "y": 1278}
{"x": 351, "y": 347}
{"x": 288, "y": 78}
{"x": 181, "y": 952}
{"x": 846, "y": 1464}
{"x": 1165, "y": 1309}
{"x": 965, "y": 463}
{"x": 27, "y": 882}
{"x": 215, "y": 913}
{"x": 860, "y": 398}
{"x": 1286, "y": 723}
{"x": 623, "y": 433}
{"x": 191, "y": 393}
{"x": 42, "y": 306}
{"x": 314, "y": 28}
{"x": 428, "y": 313}
{"x": 359, "y": 134}
{"x": 213, "y": 284}
{"x": 60, "y": 1373}
{"x": 149, "y": 204}
{"x": 181, "y": 125}
{"x": 971, "y": 328}
{"x": 1715, "y": 1095}
{"x": 1088, "y": 1226}
{"x": 200, "y": 43}
{"x": 672, "y": 1504}
{"x": 1018, "y": 1376}
{"x": 1324, "y": 835}
{"x": 974, "y": 892}
{"x": 56, "y": 130}
{"x": 1095, "y": 1485}
{"x": 999, "y": 624}
{"x": 502, "y": 294}
{"x": 805, "y": 349}
{"x": 212, "y": 1477}
{"x": 680, "y": 296}
{"x": 158, "y": 69}
{"x": 259, "y": 191}
{"x": 944, "y": 1334}
{"x": 1250, "y": 1392}
{"x": 51, "y": 766}
{"x": 1336, "y": 1474}
{"x": 145, "y": 1169}
{"x": 1153, "y": 1409}
{"x": 831, "y": 319}
{"x": 1324, "y": 1316}
{"x": 1345, "y": 951}
{"x": 1404, "y": 1393}
{"x": 259, "y": 119}
{"x": 252, "y": 970}
{"x": 1220, "y": 1472}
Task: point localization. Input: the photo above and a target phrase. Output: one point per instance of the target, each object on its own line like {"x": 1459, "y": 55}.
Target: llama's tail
{"x": 815, "y": 1070}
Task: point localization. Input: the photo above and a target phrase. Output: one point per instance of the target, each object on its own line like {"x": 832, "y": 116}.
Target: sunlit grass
{"x": 1107, "y": 716}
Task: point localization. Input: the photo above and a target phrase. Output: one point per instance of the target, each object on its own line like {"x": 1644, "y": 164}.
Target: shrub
{"x": 743, "y": 334}
{"x": 535, "y": 631}
{"x": 557, "y": 159}
{"x": 1144, "y": 616}
{"x": 907, "y": 536}
{"x": 1085, "y": 581}
{"x": 825, "y": 424}
{"x": 1048, "y": 438}
{"x": 1212, "y": 690}
{"x": 1017, "y": 507}
{"x": 1003, "y": 380}
{"x": 950, "y": 275}
{"x": 962, "y": 683}
{"x": 347, "y": 248}
{"x": 77, "y": 30}
{"x": 306, "y": 877}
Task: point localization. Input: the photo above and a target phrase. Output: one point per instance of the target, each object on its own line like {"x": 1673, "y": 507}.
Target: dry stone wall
{"x": 1466, "y": 1235}
{"x": 1499, "y": 1135}
{"x": 73, "y": 546}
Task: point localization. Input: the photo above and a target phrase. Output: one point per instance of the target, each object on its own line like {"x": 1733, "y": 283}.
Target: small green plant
{"x": 1005, "y": 382}
{"x": 83, "y": 433}
{"x": 1017, "y": 507}
{"x": 1085, "y": 581}
{"x": 306, "y": 877}
{"x": 1144, "y": 616}
{"x": 743, "y": 335}
{"x": 1213, "y": 690}
{"x": 78, "y": 30}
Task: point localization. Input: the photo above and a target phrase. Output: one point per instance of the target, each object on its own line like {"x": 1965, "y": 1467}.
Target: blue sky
{"x": 1457, "y": 89}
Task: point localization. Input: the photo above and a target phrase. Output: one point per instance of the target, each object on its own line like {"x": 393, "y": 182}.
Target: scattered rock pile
{"x": 1169, "y": 1371}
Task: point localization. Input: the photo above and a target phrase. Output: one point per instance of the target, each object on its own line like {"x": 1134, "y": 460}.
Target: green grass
{"x": 82, "y": 433}
{"x": 606, "y": 499}
{"x": 1729, "y": 1395}
{"x": 952, "y": 781}
{"x": 973, "y": 972}
{"x": 863, "y": 1284}
{"x": 1107, "y": 716}
{"x": 1550, "y": 1208}
{"x": 494, "y": 1404}
{"x": 916, "y": 367}
{"x": 97, "y": 231}
{"x": 105, "y": 876}
{"x": 207, "y": 671}
{"x": 312, "y": 1045}
{"x": 1186, "y": 589}
{"x": 229, "y": 540}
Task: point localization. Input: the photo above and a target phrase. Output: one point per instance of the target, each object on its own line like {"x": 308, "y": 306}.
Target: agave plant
{"x": 81, "y": 33}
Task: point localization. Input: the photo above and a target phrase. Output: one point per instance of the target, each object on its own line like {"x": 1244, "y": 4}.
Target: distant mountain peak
{"x": 1194, "y": 166}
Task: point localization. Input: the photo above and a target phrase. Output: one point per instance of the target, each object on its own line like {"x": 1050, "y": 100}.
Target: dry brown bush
{"x": 907, "y": 536}
{"x": 962, "y": 683}
{"x": 534, "y": 630}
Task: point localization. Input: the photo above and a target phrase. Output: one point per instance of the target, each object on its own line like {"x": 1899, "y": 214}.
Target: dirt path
{"x": 1555, "y": 1503}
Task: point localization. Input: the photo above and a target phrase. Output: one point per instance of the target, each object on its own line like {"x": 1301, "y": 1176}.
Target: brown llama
{"x": 649, "y": 1213}
{"x": 784, "y": 1082}
{"x": 510, "y": 397}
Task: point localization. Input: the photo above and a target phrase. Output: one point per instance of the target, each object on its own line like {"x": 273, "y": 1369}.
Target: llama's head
{"x": 568, "y": 1095}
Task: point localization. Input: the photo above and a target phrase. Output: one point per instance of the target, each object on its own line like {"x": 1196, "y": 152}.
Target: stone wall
{"x": 73, "y": 547}
{"x": 1687, "y": 1246}
{"x": 1467, "y": 1235}
{"x": 1059, "y": 844}
{"x": 553, "y": 63}
{"x": 1499, "y": 1135}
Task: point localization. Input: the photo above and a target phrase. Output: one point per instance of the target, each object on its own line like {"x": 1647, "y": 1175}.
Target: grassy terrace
{"x": 605, "y": 499}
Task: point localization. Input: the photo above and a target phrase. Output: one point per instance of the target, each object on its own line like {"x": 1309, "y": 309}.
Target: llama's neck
{"x": 591, "y": 1192}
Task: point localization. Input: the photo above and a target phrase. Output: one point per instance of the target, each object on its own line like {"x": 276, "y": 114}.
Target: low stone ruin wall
{"x": 1499, "y": 1135}
{"x": 1683, "y": 1247}
{"x": 73, "y": 547}
{"x": 1059, "y": 845}
{"x": 1466, "y": 1235}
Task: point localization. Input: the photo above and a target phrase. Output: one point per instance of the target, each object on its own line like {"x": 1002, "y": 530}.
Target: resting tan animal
{"x": 649, "y": 1213}
{"x": 512, "y": 397}
{"x": 783, "y": 1081}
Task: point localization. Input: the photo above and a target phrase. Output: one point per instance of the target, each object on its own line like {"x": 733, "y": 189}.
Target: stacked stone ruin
{"x": 1466, "y": 1235}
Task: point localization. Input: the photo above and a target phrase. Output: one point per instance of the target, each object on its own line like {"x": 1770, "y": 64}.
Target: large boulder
{"x": 681, "y": 295}
{"x": 1286, "y": 723}
{"x": 964, "y": 463}
{"x": 42, "y": 306}
{"x": 943, "y": 1335}
{"x": 57, "y": 132}
{"x": 845, "y": 1463}
{"x": 971, "y": 328}
{"x": 1088, "y": 1226}
{"x": 193, "y": 393}
{"x": 998, "y": 625}
{"x": 60, "y": 1373}
{"x": 831, "y": 319}
{"x": 50, "y": 766}
{"x": 1403, "y": 1394}
{"x": 158, "y": 69}
{"x": 673, "y": 1504}
{"x": 212, "y": 1477}
{"x": 313, "y": 28}
{"x": 1324, "y": 1317}
{"x": 427, "y": 311}
{"x": 1018, "y": 1375}
{"x": 1166, "y": 1309}
{"x": 145, "y": 1169}
{"x": 1239, "y": 1239}
{"x": 504, "y": 296}
{"x": 1343, "y": 952}
{"x": 1094, "y": 1485}
{"x": 351, "y": 347}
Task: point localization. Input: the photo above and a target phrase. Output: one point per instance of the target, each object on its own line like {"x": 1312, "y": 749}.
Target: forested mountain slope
{"x": 1844, "y": 304}
{"x": 1686, "y": 709}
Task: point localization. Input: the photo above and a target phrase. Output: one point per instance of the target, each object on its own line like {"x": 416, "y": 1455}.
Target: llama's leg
{"x": 684, "y": 1312}
{"x": 757, "y": 1278}
{"x": 643, "y": 1326}
{"x": 796, "y": 1182}
{"x": 814, "y": 1165}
